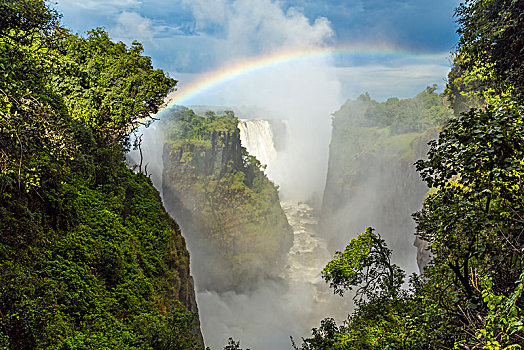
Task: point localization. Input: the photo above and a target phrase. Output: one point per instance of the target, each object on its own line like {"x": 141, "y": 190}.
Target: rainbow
{"x": 229, "y": 73}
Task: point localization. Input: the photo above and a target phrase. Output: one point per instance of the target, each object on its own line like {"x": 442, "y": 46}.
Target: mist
{"x": 299, "y": 98}
{"x": 302, "y": 94}
{"x": 371, "y": 183}
{"x": 384, "y": 200}
{"x": 264, "y": 314}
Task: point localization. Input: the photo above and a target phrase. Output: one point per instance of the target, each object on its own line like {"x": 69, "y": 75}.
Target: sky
{"x": 191, "y": 39}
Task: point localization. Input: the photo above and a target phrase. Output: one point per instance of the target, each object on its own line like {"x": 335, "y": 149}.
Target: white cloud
{"x": 103, "y": 6}
{"x": 132, "y": 26}
{"x": 207, "y": 12}
{"x": 264, "y": 23}
{"x": 251, "y": 27}
{"x": 383, "y": 81}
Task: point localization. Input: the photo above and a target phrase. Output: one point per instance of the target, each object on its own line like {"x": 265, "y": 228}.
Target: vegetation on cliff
{"x": 397, "y": 128}
{"x": 470, "y": 294}
{"x": 400, "y": 116}
{"x": 371, "y": 179}
{"x": 221, "y": 197}
{"x": 89, "y": 258}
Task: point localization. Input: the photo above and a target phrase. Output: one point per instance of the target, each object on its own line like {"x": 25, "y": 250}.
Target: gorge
{"x": 195, "y": 160}
{"x": 270, "y": 208}
{"x": 279, "y": 288}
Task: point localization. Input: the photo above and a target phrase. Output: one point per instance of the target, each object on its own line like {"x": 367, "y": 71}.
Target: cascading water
{"x": 257, "y": 137}
{"x": 306, "y": 298}
{"x": 309, "y": 253}
{"x": 306, "y": 258}
{"x": 276, "y": 309}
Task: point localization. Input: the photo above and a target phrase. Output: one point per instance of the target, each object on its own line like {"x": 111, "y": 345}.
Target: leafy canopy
{"x": 89, "y": 258}
{"x": 108, "y": 86}
{"x": 365, "y": 264}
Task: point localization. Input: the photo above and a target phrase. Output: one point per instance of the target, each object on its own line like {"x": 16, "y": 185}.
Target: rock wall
{"x": 229, "y": 211}
{"x": 372, "y": 181}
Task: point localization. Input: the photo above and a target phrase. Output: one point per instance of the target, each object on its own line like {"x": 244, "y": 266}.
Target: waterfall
{"x": 257, "y": 137}
{"x": 265, "y": 317}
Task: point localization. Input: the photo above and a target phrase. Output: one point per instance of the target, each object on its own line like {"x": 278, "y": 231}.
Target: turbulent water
{"x": 309, "y": 252}
{"x": 266, "y": 317}
{"x": 306, "y": 258}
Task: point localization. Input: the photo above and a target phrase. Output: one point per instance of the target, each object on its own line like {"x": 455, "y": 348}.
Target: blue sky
{"x": 413, "y": 24}
{"x": 188, "y": 38}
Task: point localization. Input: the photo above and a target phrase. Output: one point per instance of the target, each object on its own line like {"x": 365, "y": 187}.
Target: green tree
{"x": 475, "y": 215}
{"x": 88, "y": 256}
{"x": 492, "y": 39}
{"x": 21, "y": 19}
{"x": 108, "y": 86}
{"x": 365, "y": 264}
{"x": 33, "y": 121}
{"x": 385, "y": 317}
{"x": 324, "y": 337}
{"x": 473, "y": 220}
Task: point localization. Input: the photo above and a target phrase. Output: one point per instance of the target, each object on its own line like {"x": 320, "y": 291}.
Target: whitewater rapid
{"x": 305, "y": 261}
{"x": 267, "y": 316}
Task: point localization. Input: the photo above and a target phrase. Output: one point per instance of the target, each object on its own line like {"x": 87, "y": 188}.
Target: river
{"x": 265, "y": 318}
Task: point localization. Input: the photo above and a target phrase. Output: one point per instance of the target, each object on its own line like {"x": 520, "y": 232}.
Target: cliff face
{"x": 371, "y": 178}
{"x": 94, "y": 260}
{"x": 228, "y": 210}
{"x": 89, "y": 257}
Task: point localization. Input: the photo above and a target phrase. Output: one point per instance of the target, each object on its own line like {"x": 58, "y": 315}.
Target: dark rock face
{"x": 372, "y": 181}
{"x": 423, "y": 253}
{"x": 228, "y": 210}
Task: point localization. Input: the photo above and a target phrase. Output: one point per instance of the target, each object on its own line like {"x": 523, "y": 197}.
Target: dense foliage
{"x": 492, "y": 37}
{"x": 108, "y": 86}
{"x": 222, "y": 199}
{"x": 470, "y": 294}
{"x": 490, "y": 59}
{"x": 365, "y": 264}
{"x": 89, "y": 258}
{"x": 400, "y": 116}
{"x": 396, "y": 128}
